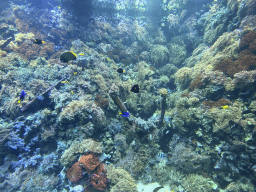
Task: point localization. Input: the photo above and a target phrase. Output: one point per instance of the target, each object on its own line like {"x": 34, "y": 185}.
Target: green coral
{"x": 75, "y": 110}
{"x": 78, "y": 148}
{"x": 177, "y": 54}
{"x": 183, "y": 78}
{"x": 223, "y": 117}
{"x": 198, "y": 183}
{"x": 120, "y": 180}
{"x": 159, "y": 55}
{"x": 243, "y": 184}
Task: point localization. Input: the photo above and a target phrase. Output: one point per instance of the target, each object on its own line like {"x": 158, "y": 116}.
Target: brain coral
{"x": 159, "y": 55}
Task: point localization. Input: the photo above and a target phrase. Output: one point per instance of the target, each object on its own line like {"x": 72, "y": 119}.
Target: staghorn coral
{"x": 159, "y": 55}
{"x": 80, "y": 147}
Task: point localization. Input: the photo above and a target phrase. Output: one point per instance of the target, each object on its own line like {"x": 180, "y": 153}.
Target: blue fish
{"x": 160, "y": 155}
{"x": 40, "y": 97}
{"x": 22, "y": 95}
{"x": 124, "y": 114}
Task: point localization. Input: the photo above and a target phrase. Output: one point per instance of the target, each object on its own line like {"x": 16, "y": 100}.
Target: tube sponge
{"x": 163, "y": 93}
{"x": 114, "y": 92}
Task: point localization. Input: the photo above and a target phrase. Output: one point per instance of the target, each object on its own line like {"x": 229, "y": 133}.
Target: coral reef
{"x": 78, "y": 148}
{"x": 120, "y": 180}
{"x": 163, "y": 93}
{"x": 159, "y": 55}
{"x": 198, "y": 183}
{"x": 96, "y": 170}
{"x": 197, "y": 135}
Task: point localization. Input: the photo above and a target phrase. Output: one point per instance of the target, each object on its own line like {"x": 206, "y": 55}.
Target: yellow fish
{"x": 72, "y": 92}
{"x": 59, "y": 7}
{"x": 232, "y": 40}
{"x": 108, "y": 59}
{"x": 75, "y": 73}
{"x": 225, "y": 107}
{"x": 64, "y": 82}
{"x": 81, "y": 54}
{"x": 19, "y": 101}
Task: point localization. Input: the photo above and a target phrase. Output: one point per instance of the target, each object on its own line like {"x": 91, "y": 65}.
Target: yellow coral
{"x": 20, "y": 36}
{"x": 121, "y": 180}
{"x": 182, "y": 77}
{"x": 163, "y": 91}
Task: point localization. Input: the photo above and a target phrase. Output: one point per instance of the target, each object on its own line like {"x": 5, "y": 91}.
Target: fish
{"x": 120, "y": 70}
{"x": 64, "y": 82}
{"x": 75, "y": 73}
{"x": 124, "y": 114}
{"x": 39, "y": 42}
{"x": 161, "y": 155}
{"x": 22, "y": 95}
{"x": 225, "y": 107}
{"x": 40, "y": 97}
{"x": 135, "y": 88}
{"x": 72, "y": 92}
{"x": 81, "y": 54}
{"x": 67, "y": 56}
